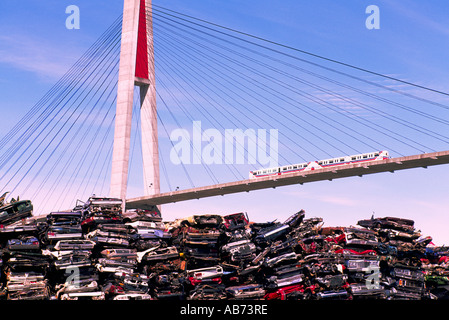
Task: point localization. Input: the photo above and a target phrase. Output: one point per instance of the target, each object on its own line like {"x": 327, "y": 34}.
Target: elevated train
{"x": 306, "y": 166}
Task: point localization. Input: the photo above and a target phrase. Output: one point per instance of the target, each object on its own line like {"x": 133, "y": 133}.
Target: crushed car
{"x": 98, "y": 251}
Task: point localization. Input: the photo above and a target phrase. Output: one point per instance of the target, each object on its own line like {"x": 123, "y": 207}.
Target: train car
{"x": 306, "y": 166}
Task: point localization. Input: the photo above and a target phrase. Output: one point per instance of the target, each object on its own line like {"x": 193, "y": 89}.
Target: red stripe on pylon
{"x": 142, "y": 45}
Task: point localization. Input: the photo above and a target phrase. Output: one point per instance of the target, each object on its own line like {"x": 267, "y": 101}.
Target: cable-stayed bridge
{"x": 349, "y": 170}
{"x": 195, "y": 70}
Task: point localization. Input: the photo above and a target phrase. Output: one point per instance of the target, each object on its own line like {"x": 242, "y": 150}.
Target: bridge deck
{"x": 349, "y": 170}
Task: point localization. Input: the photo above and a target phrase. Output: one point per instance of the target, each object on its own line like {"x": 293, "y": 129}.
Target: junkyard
{"x": 98, "y": 252}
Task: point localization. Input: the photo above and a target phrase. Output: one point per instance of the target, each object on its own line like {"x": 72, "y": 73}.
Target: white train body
{"x": 306, "y": 166}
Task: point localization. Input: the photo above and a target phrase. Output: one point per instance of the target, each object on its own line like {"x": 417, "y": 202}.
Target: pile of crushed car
{"x": 97, "y": 252}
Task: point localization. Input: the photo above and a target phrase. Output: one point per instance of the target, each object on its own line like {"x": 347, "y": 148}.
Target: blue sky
{"x": 412, "y": 44}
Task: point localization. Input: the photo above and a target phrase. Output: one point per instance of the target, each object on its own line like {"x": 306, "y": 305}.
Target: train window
{"x": 342, "y": 159}
{"x": 365, "y": 156}
{"x": 353, "y": 158}
{"x": 284, "y": 168}
{"x": 376, "y": 154}
{"x": 295, "y": 167}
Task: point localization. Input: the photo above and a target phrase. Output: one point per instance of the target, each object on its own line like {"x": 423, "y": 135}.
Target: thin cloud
{"x": 35, "y": 55}
{"x": 418, "y": 17}
{"x": 338, "y": 200}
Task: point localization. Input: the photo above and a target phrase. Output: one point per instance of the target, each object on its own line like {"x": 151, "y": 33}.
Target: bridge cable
{"x": 294, "y": 49}
{"x": 422, "y": 131}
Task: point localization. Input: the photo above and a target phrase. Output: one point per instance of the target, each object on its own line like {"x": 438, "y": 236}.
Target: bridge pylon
{"x": 136, "y": 68}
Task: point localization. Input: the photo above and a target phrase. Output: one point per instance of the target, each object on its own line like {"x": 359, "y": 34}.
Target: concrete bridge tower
{"x": 136, "y": 68}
